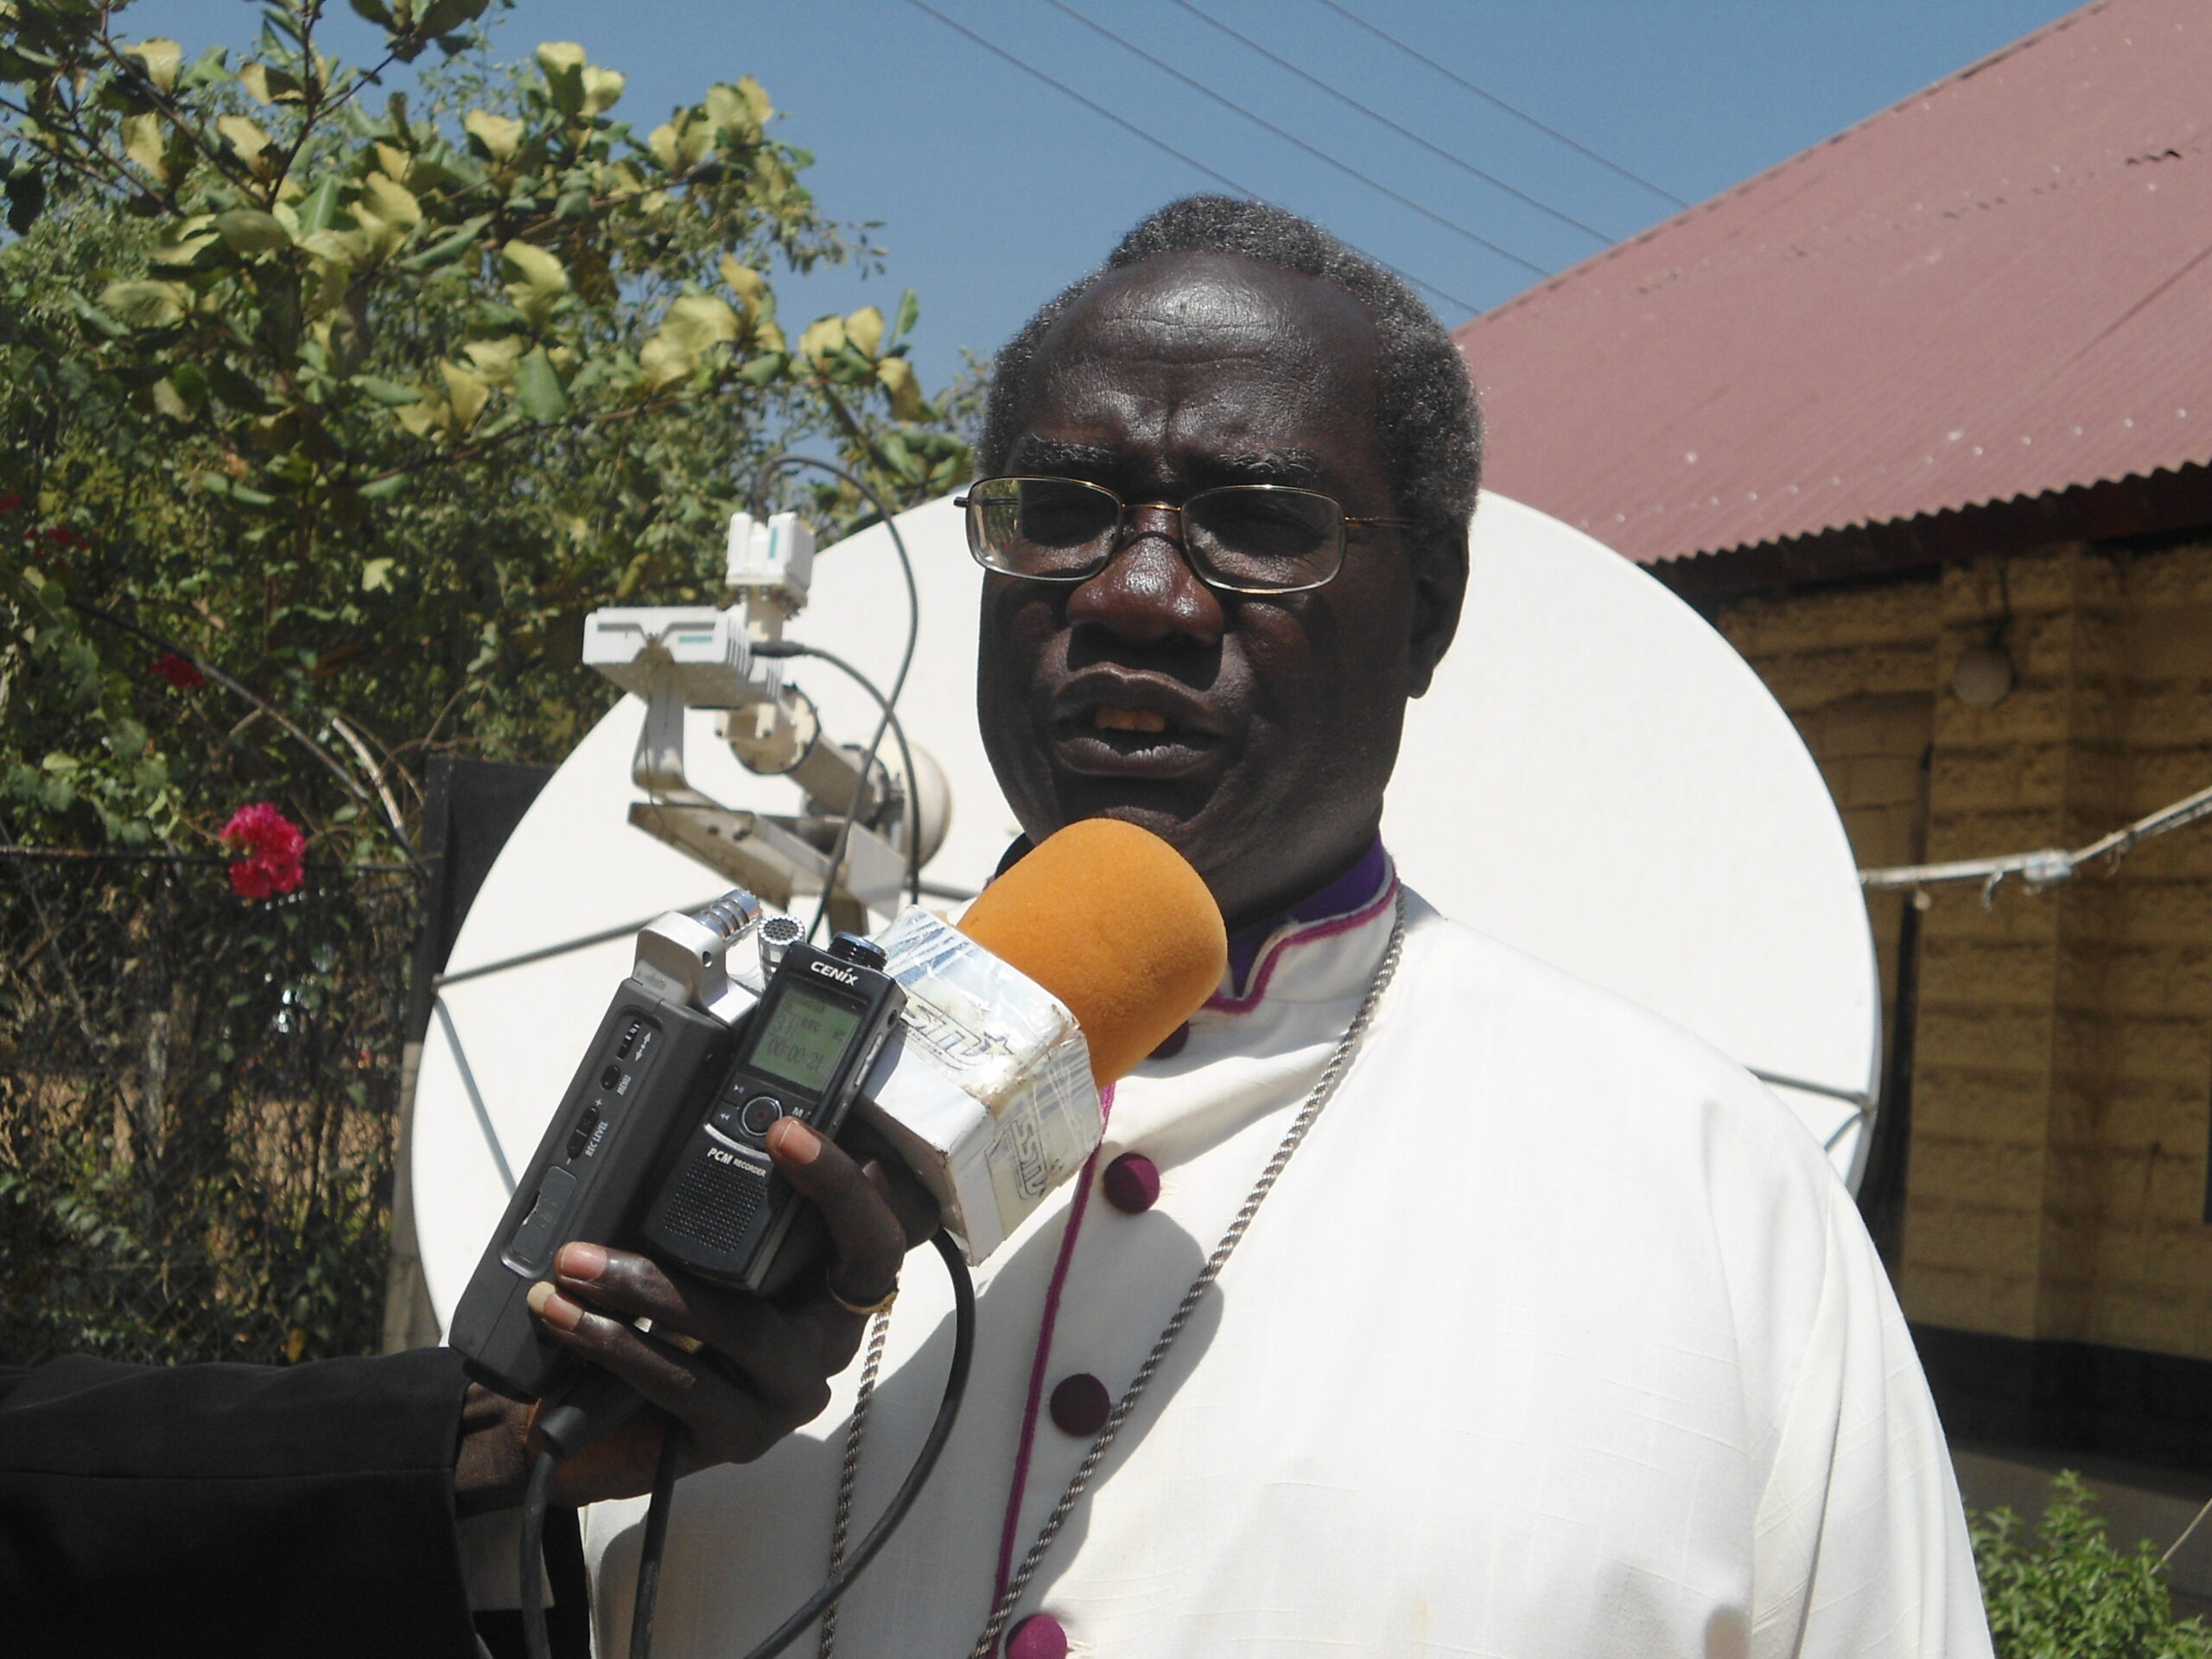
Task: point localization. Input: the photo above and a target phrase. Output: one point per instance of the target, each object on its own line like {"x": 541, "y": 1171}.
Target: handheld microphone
{"x": 1067, "y": 971}
{"x": 1115, "y": 923}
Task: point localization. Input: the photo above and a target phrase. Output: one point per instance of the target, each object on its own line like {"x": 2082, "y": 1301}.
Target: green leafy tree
{"x": 2061, "y": 1591}
{"x": 325, "y": 415}
{"x": 360, "y": 405}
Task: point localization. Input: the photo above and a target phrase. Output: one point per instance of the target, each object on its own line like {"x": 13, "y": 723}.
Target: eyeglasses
{"x": 1245, "y": 538}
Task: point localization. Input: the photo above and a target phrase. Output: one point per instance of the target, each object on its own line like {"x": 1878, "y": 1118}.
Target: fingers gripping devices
{"x": 660, "y": 1139}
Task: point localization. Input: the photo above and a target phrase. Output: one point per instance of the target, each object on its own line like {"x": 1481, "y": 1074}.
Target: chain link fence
{"x": 199, "y": 1097}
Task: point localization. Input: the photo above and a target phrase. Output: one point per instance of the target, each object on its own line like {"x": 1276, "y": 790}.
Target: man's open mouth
{"x": 1112, "y": 739}
{"x": 1128, "y": 720}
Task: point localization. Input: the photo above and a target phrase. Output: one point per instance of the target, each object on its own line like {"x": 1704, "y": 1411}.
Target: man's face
{"x": 1255, "y": 734}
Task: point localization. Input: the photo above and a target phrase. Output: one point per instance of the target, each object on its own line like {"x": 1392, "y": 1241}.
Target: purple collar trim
{"x": 1348, "y": 902}
{"x": 1356, "y": 889}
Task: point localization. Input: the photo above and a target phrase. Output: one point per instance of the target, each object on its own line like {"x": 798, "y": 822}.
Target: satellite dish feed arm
{"x": 656, "y": 767}
{"x": 675, "y": 658}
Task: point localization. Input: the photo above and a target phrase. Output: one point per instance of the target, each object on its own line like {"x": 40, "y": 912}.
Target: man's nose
{"x": 1148, "y": 593}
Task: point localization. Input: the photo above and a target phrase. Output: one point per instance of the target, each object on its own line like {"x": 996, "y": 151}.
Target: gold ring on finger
{"x": 882, "y": 1305}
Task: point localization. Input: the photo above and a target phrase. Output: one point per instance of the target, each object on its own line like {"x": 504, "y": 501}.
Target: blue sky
{"x": 990, "y": 189}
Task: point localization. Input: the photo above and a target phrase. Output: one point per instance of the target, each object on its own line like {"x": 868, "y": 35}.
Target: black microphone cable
{"x": 655, "y": 1543}
{"x": 592, "y": 1415}
{"x": 792, "y": 648}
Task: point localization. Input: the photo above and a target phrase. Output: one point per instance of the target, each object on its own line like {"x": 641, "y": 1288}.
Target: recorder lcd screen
{"x": 802, "y": 1039}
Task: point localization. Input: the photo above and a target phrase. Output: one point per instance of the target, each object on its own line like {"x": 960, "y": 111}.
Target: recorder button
{"x": 727, "y": 1118}
{"x": 1037, "y": 1636}
{"x": 531, "y": 1248}
{"x": 851, "y": 947}
{"x": 761, "y": 1112}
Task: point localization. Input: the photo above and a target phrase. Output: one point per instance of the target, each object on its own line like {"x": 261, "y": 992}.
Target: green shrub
{"x": 2061, "y": 1591}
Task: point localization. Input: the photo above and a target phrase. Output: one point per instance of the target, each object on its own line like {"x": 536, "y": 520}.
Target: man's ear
{"x": 1440, "y": 586}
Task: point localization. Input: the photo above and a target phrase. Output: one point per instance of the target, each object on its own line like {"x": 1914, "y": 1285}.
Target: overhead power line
{"x": 1161, "y": 144}
{"x": 997, "y": 50}
{"x": 1459, "y": 161}
{"x": 1375, "y": 184}
{"x": 1493, "y": 99}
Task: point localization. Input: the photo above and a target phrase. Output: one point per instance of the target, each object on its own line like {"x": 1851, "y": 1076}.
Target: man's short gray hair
{"x": 1425, "y": 409}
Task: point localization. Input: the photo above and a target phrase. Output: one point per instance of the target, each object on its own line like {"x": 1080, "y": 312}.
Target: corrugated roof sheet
{"x": 2001, "y": 287}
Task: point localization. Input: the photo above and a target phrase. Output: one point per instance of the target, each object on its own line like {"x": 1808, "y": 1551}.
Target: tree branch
{"x": 329, "y": 760}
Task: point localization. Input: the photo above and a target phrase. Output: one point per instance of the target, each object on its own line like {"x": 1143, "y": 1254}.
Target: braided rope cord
{"x": 1324, "y": 1087}
{"x": 879, "y": 1330}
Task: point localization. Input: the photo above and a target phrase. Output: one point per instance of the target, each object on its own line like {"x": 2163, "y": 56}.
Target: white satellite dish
{"x": 1596, "y": 777}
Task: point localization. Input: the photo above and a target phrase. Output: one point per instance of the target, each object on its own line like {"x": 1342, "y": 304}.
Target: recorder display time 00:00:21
{"x": 802, "y": 1038}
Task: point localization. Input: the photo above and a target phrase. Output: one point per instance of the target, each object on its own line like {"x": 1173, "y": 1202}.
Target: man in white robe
{"x": 1557, "y": 1335}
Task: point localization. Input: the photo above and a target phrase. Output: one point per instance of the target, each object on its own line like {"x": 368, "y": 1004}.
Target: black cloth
{"x": 232, "y": 1508}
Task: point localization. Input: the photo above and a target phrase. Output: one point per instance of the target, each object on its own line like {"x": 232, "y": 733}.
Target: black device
{"x": 723, "y": 1211}
{"x": 641, "y": 1087}
{"x": 605, "y": 1144}
{"x": 659, "y": 1144}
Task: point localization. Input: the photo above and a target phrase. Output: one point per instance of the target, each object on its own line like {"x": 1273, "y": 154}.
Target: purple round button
{"x": 1037, "y": 1636}
{"x": 1081, "y": 1405}
{"x": 1131, "y": 1183}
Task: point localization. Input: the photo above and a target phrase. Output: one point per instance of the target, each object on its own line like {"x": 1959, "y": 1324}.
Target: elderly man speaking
{"x": 1555, "y": 1335}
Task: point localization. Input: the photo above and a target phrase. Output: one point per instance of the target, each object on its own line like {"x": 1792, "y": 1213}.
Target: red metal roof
{"x": 2001, "y": 287}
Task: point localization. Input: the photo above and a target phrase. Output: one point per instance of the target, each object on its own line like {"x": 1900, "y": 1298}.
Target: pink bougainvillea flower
{"x": 179, "y": 672}
{"x": 271, "y": 848}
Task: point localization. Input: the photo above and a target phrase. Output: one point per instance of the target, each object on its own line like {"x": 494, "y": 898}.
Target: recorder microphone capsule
{"x": 778, "y": 935}
{"x": 731, "y": 915}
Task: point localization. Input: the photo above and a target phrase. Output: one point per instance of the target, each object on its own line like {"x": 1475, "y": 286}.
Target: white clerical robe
{"x": 1559, "y": 1337}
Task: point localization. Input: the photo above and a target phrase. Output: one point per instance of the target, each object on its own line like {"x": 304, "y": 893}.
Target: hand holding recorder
{"x": 761, "y": 1369}
{"x": 699, "y": 1130}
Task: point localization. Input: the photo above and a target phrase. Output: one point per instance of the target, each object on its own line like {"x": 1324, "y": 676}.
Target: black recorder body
{"x": 659, "y": 1144}
{"x": 723, "y": 1211}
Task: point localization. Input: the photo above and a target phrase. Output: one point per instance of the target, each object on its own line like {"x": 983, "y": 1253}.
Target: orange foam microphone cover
{"x": 1114, "y": 922}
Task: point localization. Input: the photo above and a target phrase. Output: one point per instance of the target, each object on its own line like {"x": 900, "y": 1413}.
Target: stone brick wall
{"x": 2063, "y": 1068}
{"x": 1856, "y": 668}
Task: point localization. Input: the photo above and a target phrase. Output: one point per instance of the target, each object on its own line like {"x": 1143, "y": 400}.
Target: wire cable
{"x": 1493, "y": 99}
{"x": 1161, "y": 144}
{"x": 1459, "y": 161}
{"x": 536, "y": 1495}
{"x": 1130, "y": 127}
{"x": 955, "y": 1386}
{"x": 582, "y": 941}
{"x": 1289, "y": 137}
{"x": 2049, "y": 866}
{"x": 793, "y": 463}
{"x": 792, "y": 648}
{"x": 529, "y": 1561}
{"x": 655, "y": 1543}
{"x": 483, "y": 1124}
